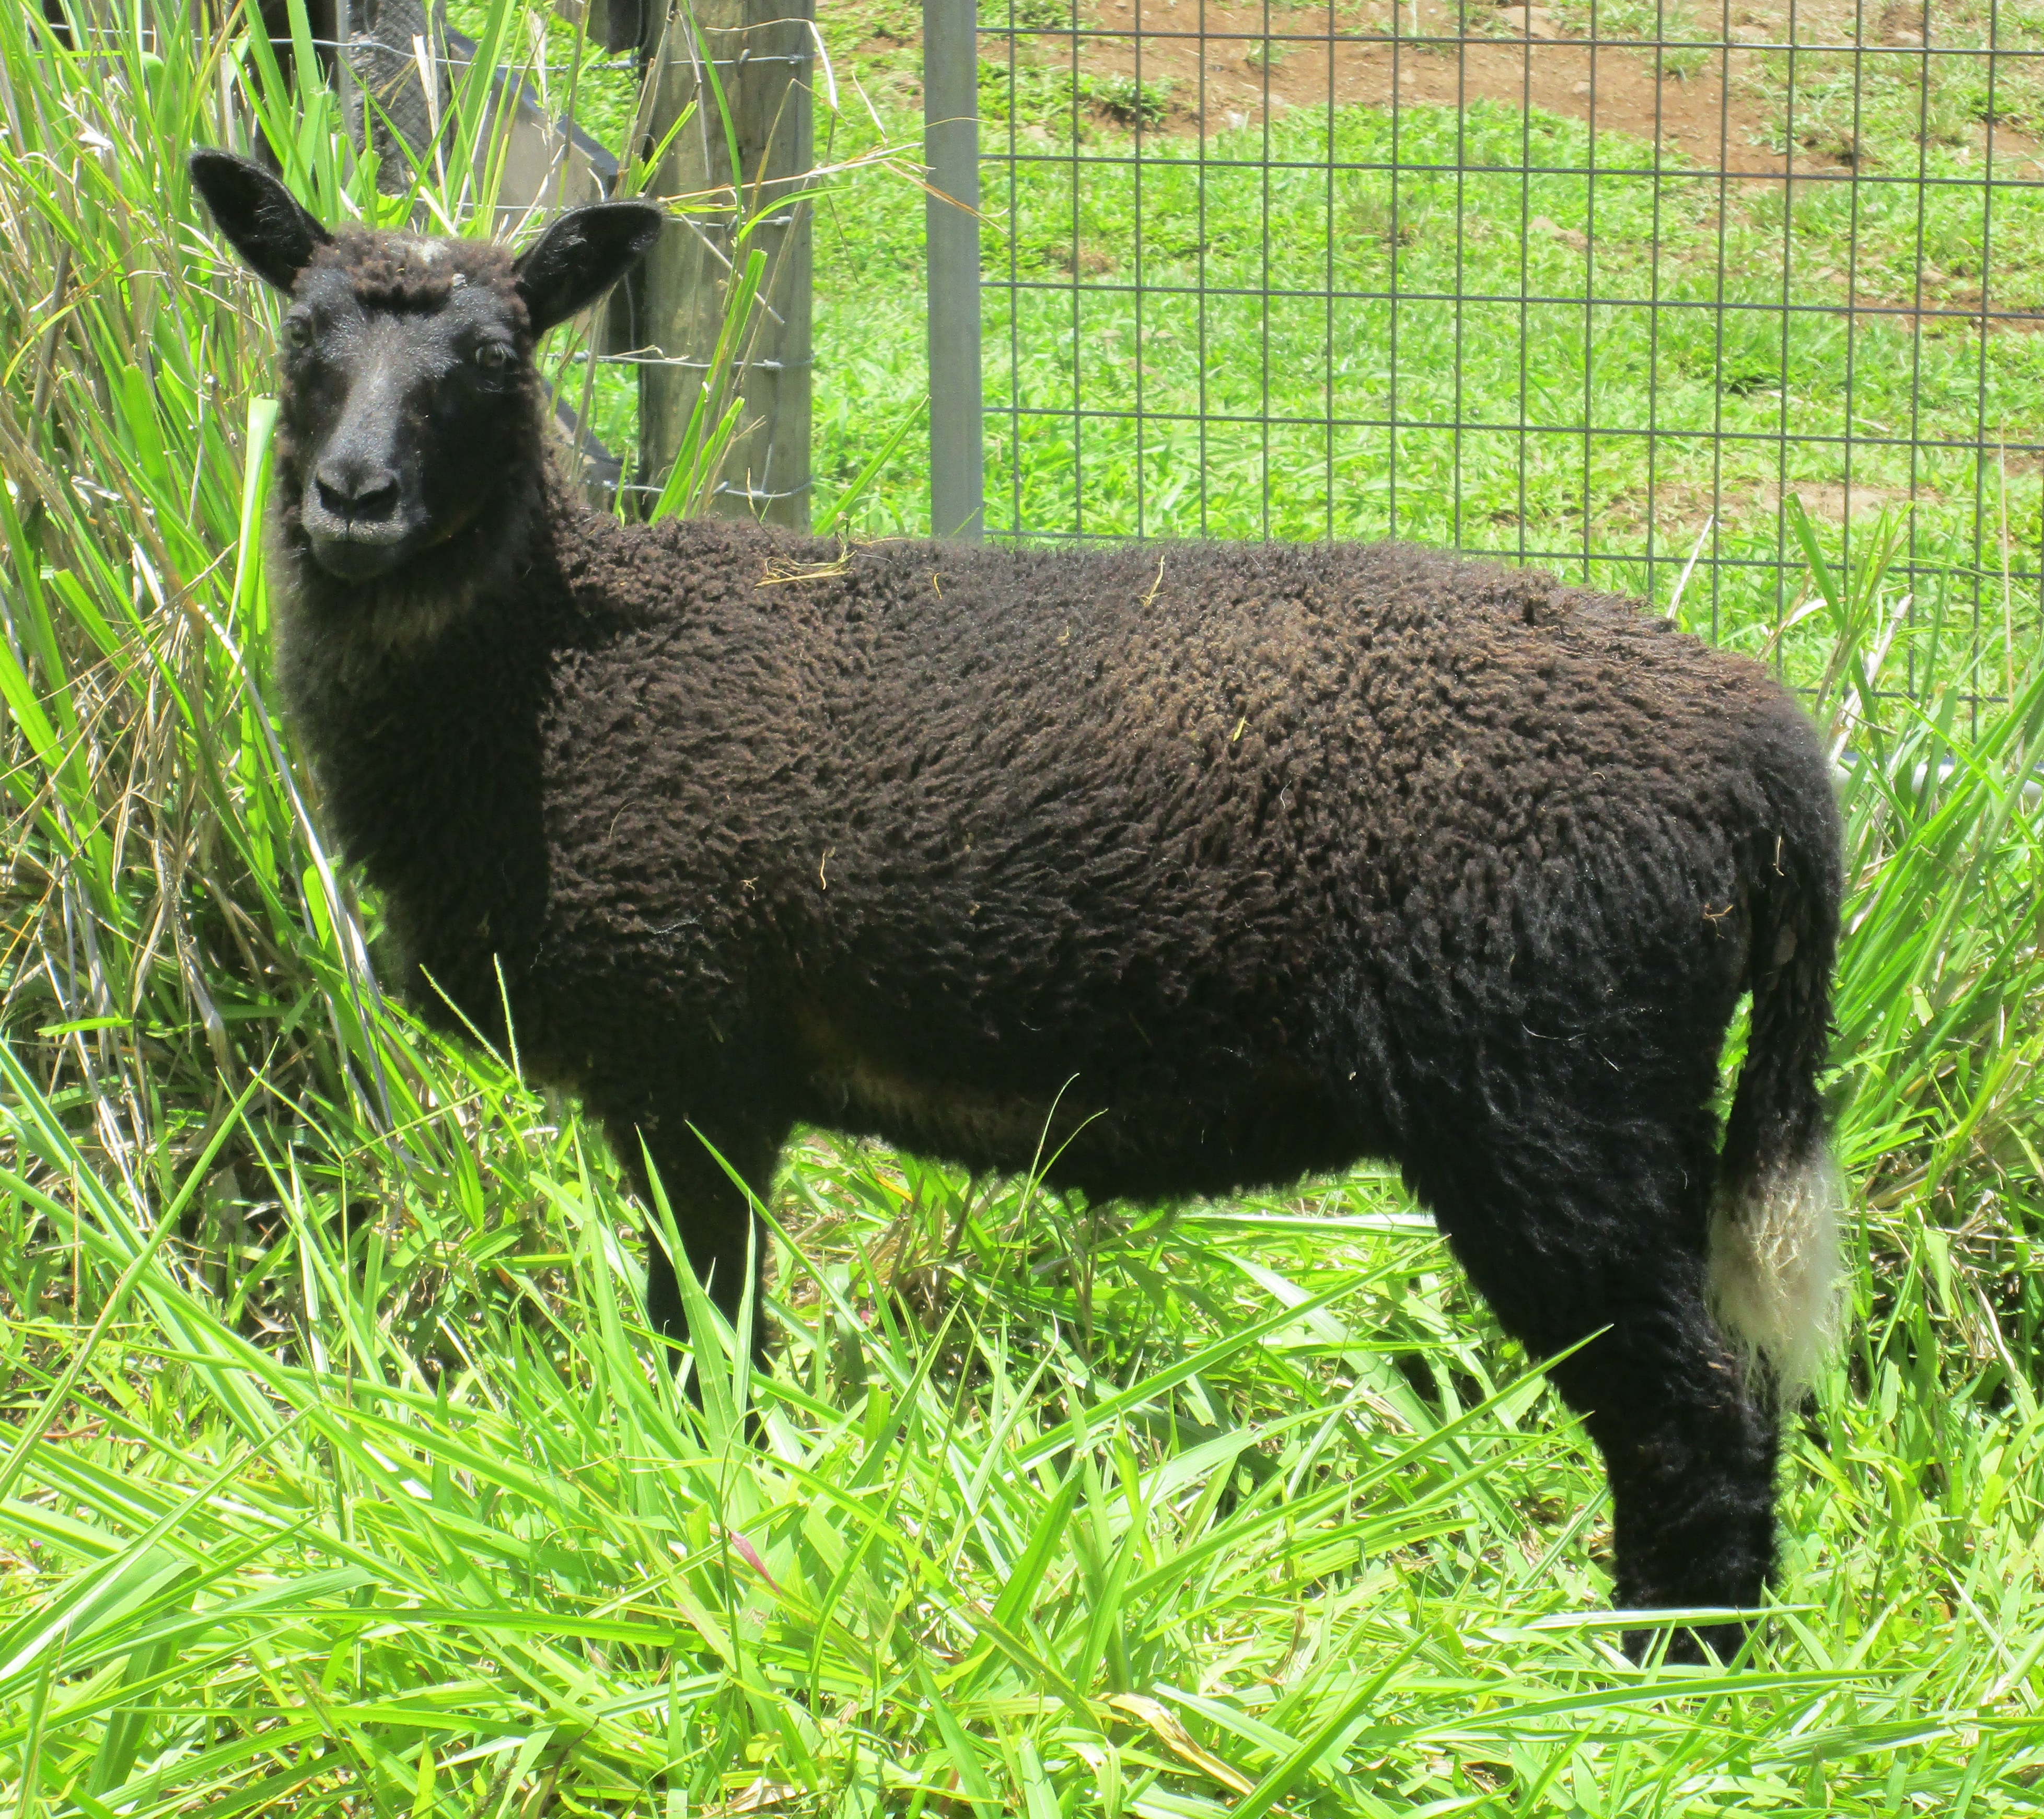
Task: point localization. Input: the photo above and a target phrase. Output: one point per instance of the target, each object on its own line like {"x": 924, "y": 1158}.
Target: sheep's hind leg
{"x": 1691, "y": 1455}
{"x": 1690, "y": 1449}
{"x": 712, "y": 1215}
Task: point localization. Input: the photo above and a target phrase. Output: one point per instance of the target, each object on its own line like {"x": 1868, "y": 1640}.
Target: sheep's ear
{"x": 265, "y": 223}
{"x": 577, "y": 259}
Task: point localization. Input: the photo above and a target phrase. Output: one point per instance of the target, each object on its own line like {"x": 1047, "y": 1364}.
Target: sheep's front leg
{"x": 712, "y": 1212}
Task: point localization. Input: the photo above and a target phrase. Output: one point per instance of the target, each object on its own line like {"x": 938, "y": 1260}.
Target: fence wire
{"x": 1618, "y": 288}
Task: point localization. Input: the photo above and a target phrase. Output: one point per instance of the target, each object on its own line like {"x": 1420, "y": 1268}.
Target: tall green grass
{"x": 337, "y": 1478}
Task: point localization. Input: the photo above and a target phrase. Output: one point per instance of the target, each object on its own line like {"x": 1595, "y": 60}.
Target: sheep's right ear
{"x": 264, "y": 222}
{"x": 580, "y": 256}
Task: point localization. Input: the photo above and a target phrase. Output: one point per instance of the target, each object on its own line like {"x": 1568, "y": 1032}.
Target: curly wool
{"x": 951, "y": 827}
{"x": 397, "y": 271}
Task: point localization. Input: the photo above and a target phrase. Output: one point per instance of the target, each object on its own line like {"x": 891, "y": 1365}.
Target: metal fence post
{"x": 761, "y": 51}
{"x": 951, "y": 138}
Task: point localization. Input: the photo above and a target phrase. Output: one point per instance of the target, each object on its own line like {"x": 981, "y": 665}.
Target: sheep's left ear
{"x": 577, "y": 259}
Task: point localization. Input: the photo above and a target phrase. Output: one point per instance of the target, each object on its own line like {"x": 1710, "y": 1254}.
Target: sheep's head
{"x": 408, "y": 403}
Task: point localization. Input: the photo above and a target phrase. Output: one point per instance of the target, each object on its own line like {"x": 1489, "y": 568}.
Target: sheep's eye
{"x": 297, "y": 332}
{"x": 492, "y": 356}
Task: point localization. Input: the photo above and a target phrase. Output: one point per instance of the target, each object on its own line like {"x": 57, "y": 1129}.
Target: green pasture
{"x": 1288, "y": 315}
{"x": 336, "y": 1477}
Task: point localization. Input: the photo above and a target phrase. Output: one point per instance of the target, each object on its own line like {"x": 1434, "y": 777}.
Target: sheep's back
{"x": 1147, "y": 811}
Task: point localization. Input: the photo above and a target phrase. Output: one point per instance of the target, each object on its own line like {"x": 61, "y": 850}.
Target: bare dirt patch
{"x": 1712, "y": 99}
{"x": 1222, "y": 65}
{"x": 1834, "y": 503}
{"x": 1221, "y": 76}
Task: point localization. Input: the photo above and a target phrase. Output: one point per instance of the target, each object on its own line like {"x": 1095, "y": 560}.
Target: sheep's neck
{"x": 429, "y": 759}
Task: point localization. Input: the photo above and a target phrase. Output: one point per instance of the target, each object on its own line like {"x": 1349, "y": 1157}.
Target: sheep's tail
{"x": 1773, "y": 1240}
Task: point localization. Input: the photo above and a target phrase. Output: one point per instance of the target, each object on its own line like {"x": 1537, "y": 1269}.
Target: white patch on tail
{"x": 1774, "y": 1270}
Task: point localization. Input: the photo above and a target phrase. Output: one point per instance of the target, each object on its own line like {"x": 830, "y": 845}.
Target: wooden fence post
{"x": 381, "y": 76}
{"x": 761, "y": 51}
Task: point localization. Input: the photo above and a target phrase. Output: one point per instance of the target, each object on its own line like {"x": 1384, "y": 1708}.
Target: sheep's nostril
{"x": 359, "y": 496}
{"x": 377, "y": 504}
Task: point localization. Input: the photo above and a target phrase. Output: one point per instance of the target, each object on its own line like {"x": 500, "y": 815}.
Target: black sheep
{"x": 1194, "y": 866}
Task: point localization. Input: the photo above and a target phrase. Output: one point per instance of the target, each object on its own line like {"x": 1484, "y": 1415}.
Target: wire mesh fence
{"x": 1626, "y": 289}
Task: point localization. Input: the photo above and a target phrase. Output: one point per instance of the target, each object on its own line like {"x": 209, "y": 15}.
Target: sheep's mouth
{"x": 354, "y": 558}
{"x": 354, "y": 547}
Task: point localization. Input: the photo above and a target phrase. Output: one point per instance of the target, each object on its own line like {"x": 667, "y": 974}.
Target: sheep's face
{"x": 397, "y": 406}
{"x": 407, "y": 396}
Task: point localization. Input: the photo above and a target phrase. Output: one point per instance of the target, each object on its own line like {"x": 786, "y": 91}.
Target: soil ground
{"x": 1723, "y": 112}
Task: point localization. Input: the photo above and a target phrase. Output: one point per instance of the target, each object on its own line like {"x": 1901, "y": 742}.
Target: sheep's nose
{"x": 357, "y": 490}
